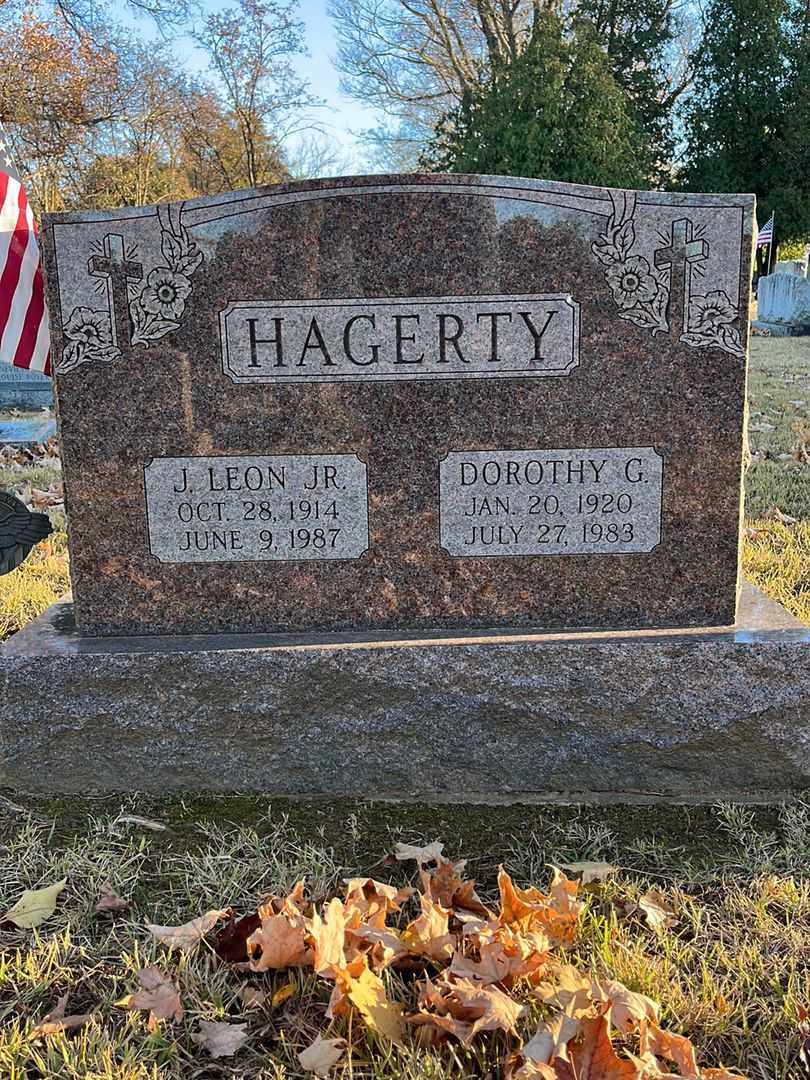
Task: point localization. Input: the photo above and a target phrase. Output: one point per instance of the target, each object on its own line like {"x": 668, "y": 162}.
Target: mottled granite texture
{"x": 652, "y": 371}
{"x": 698, "y": 714}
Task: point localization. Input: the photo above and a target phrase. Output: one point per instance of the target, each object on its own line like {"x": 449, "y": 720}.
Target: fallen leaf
{"x": 220, "y": 1039}
{"x": 56, "y": 1021}
{"x": 282, "y": 945}
{"x": 428, "y": 934}
{"x": 366, "y": 992}
{"x": 284, "y": 993}
{"x": 589, "y": 872}
{"x": 328, "y": 933}
{"x": 569, "y": 991}
{"x": 372, "y": 900}
{"x": 160, "y": 995}
{"x": 422, "y": 855}
{"x": 190, "y": 934}
{"x": 659, "y": 913}
{"x": 321, "y": 1055}
{"x": 231, "y": 943}
{"x": 34, "y": 906}
{"x": 110, "y": 901}
{"x": 551, "y": 1040}
{"x": 491, "y": 1008}
{"x": 594, "y": 1058}
{"x": 669, "y": 1047}
{"x": 775, "y": 514}
{"x": 626, "y": 1008}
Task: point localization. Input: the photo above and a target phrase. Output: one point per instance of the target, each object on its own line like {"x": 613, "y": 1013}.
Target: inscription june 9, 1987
{"x": 550, "y": 502}
{"x": 224, "y": 509}
{"x": 423, "y": 338}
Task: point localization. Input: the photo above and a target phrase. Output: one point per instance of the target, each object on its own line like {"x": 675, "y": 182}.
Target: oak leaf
{"x": 278, "y": 943}
{"x": 56, "y": 1021}
{"x": 34, "y": 906}
{"x": 110, "y": 901}
{"x": 322, "y": 1055}
{"x": 220, "y": 1039}
{"x": 159, "y": 995}
{"x": 190, "y": 934}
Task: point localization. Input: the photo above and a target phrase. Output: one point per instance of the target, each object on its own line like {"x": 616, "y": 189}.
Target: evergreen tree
{"x": 555, "y": 111}
{"x": 747, "y": 120}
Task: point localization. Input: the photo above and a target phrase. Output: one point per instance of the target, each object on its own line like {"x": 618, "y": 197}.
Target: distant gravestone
{"x": 21, "y": 389}
{"x": 783, "y": 304}
{"x": 403, "y": 403}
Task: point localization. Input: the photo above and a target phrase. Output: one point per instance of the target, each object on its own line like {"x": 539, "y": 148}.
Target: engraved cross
{"x": 119, "y": 271}
{"x": 679, "y": 257}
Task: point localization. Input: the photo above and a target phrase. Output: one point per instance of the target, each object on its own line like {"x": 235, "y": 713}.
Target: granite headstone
{"x": 403, "y": 402}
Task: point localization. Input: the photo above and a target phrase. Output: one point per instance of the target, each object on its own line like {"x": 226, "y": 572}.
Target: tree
{"x": 417, "y": 59}
{"x": 746, "y": 121}
{"x": 249, "y": 49}
{"x": 556, "y": 111}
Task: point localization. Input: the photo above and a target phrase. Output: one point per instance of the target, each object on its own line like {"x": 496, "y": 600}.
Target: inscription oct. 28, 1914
{"x": 381, "y": 402}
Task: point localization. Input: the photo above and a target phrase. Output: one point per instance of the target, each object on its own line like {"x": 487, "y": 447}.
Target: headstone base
{"x": 674, "y": 714}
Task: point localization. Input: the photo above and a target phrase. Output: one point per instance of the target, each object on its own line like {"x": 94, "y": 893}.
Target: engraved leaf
{"x": 171, "y": 247}
{"x": 189, "y": 261}
{"x": 625, "y": 237}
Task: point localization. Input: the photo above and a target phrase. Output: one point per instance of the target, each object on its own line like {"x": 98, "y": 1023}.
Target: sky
{"x": 342, "y": 117}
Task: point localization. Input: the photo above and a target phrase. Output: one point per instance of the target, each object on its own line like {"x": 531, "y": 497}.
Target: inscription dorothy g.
{"x": 282, "y": 507}
{"x": 471, "y": 337}
{"x": 551, "y": 502}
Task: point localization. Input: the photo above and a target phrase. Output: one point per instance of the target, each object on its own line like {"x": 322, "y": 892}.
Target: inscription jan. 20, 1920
{"x": 280, "y": 507}
{"x": 423, "y": 338}
{"x": 551, "y": 502}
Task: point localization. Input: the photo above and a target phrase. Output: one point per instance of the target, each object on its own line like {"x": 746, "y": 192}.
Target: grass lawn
{"x": 730, "y": 971}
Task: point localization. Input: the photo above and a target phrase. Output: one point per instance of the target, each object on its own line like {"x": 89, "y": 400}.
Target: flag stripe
{"x": 24, "y": 339}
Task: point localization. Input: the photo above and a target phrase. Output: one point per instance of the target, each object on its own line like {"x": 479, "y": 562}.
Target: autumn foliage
{"x": 473, "y": 969}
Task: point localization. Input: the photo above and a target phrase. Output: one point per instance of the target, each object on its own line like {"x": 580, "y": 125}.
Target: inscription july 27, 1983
{"x": 215, "y": 509}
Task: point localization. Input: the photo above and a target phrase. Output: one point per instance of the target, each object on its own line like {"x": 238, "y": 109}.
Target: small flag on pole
{"x": 24, "y": 340}
{"x": 765, "y": 235}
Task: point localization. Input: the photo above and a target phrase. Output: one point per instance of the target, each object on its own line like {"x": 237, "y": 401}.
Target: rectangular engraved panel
{"x": 238, "y": 509}
{"x": 550, "y": 502}
{"x": 427, "y": 338}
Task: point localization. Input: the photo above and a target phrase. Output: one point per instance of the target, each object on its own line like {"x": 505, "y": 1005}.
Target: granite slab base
{"x": 672, "y": 714}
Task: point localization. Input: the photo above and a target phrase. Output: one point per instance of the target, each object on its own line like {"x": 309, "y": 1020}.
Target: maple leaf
{"x": 370, "y": 901}
{"x": 625, "y": 1008}
{"x": 231, "y": 944}
{"x": 594, "y": 1058}
{"x": 445, "y": 885}
{"x": 56, "y": 1021}
{"x": 321, "y": 1055}
{"x": 495, "y": 1010}
{"x": 555, "y": 913}
{"x": 428, "y": 934}
{"x": 219, "y": 1039}
{"x": 385, "y": 945}
{"x": 665, "y": 1045}
{"x": 366, "y": 991}
{"x": 505, "y": 959}
{"x": 110, "y": 901}
{"x": 34, "y": 906}
{"x": 422, "y": 855}
{"x": 159, "y": 994}
{"x": 328, "y": 934}
{"x": 282, "y": 945}
{"x": 551, "y": 1040}
{"x": 190, "y": 934}
{"x": 569, "y": 991}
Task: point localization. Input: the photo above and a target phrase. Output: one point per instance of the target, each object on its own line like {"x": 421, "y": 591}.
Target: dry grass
{"x": 27, "y": 591}
{"x": 730, "y": 974}
{"x": 776, "y": 557}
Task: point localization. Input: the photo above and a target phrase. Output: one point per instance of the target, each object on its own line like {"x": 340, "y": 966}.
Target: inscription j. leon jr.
{"x": 427, "y": 338}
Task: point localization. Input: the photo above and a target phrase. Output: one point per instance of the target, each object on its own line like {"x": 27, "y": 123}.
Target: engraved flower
{"x": 713, "y": 309}
{"x": 89, "y": 327}
{"x": 631, "y": 282}
{"x": 165, "y": 293}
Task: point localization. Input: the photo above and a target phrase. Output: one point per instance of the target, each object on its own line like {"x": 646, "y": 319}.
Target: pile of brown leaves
{"x": 20, "y": 458}
{"x": 472, "y": 969}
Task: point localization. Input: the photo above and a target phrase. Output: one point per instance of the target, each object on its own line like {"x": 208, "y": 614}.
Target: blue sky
{"x": 342, "y": 115}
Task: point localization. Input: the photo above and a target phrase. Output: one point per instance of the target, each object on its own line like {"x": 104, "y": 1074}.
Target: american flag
{"x": 765, "y": 235}
{"x": 24, "y": 340}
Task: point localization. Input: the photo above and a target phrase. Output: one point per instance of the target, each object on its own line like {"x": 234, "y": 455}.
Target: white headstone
{"x": 784, "y": 298}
